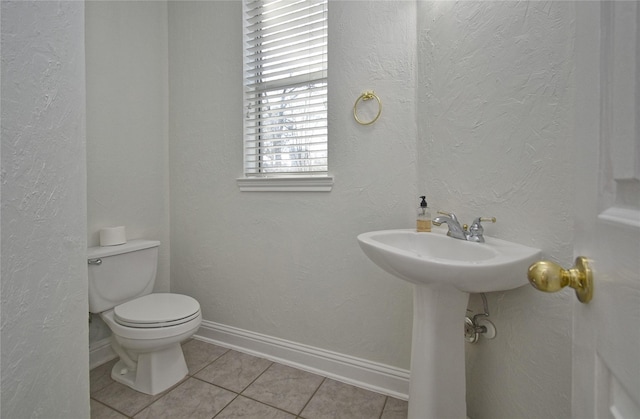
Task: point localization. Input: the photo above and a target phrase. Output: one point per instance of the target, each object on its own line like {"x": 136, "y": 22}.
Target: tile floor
{"x": 224, "y": 383}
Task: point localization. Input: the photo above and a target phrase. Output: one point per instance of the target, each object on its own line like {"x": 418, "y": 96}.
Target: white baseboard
{"x": 359, "y": 372}
{"x": 100, "y": 352}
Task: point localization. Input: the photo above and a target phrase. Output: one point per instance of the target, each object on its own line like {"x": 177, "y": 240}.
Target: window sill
{"x": 286, "y": 184}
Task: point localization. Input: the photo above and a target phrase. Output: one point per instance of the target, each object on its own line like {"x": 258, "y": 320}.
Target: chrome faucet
{"x": 472, "y": 234}
{"x": 455, "y": 229}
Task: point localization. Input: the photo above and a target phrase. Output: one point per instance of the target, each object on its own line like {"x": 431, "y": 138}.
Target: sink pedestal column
{"x": 437, "y": 385}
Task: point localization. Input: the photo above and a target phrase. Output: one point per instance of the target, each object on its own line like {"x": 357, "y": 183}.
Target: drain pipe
{"x": 479, "y": 324}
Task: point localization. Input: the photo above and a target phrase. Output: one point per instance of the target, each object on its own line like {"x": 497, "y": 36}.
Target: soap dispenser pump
{"x": 423, "y": 224}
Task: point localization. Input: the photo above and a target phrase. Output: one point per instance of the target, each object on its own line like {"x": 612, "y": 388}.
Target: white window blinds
{"x": 285, "y": 87}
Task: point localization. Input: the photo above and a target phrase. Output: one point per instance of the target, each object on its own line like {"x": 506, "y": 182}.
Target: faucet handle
{"x": 484, "y": 219}
{"x": 476, "y": 230}
{"x": 477, "y": 227}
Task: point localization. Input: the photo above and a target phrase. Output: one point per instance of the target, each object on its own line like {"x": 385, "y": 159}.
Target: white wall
{"x": 127, "y": 106}
{"x": 288, "y": 264}
{"x": 127, "y": 134}
{"x": 44, "y": 269}
{"x": 483, "y": 131}
{"x": 495, "y": 123}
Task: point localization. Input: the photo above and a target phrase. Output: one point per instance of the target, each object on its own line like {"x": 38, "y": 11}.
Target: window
{"x": 285, "y": 126}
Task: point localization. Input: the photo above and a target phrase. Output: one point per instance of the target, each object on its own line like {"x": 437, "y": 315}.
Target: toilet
{"x": 147, "y": 327}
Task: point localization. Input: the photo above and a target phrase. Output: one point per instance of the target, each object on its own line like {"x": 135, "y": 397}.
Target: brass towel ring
{"x": 367, "y": 96}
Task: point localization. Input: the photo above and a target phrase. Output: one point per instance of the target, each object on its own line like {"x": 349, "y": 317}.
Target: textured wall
{"x": 127, "y": 105}
{"x": 288, "y": 264}
{"x": 495, "y": 122}
{"x": 44, "y": 269}
{"x": 489, "y": 118}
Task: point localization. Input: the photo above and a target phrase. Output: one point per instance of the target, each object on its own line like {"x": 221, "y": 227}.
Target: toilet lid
{"x": 157, "y": 310}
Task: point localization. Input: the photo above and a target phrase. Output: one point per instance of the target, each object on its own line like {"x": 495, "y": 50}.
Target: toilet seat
{"x": 157, "y": 311}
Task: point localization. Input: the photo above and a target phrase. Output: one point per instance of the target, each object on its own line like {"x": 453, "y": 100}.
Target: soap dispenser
{"x": 424, "y": 217}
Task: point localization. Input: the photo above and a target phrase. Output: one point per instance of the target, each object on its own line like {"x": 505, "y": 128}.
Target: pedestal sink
{"x": 444, "y": 272}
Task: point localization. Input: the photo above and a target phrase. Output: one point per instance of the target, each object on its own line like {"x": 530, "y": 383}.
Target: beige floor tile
{"x": 337, "y": 400}
{"x": 284, "y": 387}
{"x": 272, "y": 390}
{"x": 124, "y": 399}
{"x": 234, "y": 370}
{"x": 395, "y": 409}
{"x": 250, "y": 409}
{"x": 199, "y": 354}
{"x": 100, "y": 411}
{"x": 193, "y": 399}
{"x": 100, "y": 376}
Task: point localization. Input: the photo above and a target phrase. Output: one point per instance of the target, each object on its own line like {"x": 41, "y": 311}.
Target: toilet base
{"x": 155, "y": 371}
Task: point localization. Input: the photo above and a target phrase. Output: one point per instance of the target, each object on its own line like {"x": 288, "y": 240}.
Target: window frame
{"x": 254, "y": 179}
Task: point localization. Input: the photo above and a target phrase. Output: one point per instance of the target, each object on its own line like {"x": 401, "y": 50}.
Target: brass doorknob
{"x": 550, "y": 277}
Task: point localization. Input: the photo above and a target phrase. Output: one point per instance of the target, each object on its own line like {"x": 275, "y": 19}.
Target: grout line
{"x": 216, "y": 385}
{"x": 272, "y": 406}
{"x": 161, "y": 395}
{"x": 236, "y": 393}
{"x": 104, "y": 404}
{"x": 311, "y": 398}
{"x": 226, "y": 405}
{"x": 211, "y": 362}
{"x": 386, "y": 399}
{"x": 110, "y": 407}
{"x": 259, "y": 375}
{"x": 268, "y": 405}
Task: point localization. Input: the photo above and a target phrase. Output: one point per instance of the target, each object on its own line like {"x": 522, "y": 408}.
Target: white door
{"x": 606, "y": 337}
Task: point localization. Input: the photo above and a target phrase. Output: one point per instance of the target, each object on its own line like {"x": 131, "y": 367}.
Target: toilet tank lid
{"x": 130, "y": 246}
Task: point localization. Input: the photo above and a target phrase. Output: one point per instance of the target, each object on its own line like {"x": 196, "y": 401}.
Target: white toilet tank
{"x": 121, "y": 273}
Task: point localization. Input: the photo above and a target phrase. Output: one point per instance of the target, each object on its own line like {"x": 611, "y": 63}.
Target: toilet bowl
{"x": 151, "y": 358}
{"x": 147, "y": 328}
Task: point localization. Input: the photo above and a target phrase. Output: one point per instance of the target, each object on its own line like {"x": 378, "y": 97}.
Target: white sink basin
{"x": 444, "y": 271}
{"x": 436, "y": 259}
